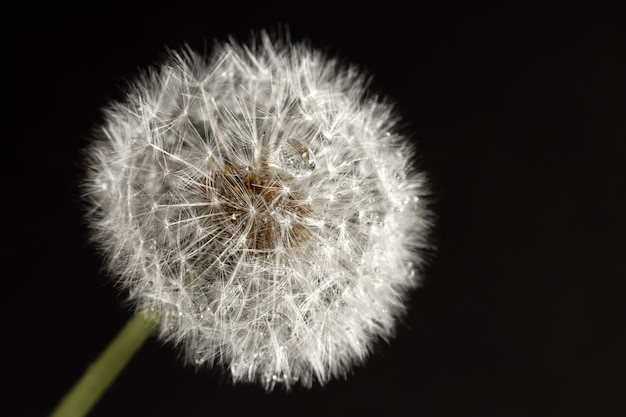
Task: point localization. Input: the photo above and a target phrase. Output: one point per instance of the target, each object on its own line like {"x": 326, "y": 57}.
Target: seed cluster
{"x": 264, "y": 206}
{"x": 259, "y": 205}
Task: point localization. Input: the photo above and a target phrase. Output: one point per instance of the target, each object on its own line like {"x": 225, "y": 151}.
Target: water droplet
{"x": 296, "y": 158}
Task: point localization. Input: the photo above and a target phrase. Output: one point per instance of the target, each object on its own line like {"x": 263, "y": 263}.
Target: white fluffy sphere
{"x": 263, "y": 206}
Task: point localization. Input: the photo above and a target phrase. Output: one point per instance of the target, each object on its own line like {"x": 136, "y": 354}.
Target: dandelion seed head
{"x": 264, "y": 206}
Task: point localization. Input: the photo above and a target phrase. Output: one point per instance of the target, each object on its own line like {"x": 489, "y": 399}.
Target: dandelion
{"x": 263, "y": 207}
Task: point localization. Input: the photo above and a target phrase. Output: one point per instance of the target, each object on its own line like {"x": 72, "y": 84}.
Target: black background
{"x": 520, "y": 116}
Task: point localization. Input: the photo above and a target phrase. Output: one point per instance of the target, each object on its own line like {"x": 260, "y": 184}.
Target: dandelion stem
{"x": 103, "y": 371}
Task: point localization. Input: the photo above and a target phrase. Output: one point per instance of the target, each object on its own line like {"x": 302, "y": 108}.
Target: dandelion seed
{"x": 246, "y": 198}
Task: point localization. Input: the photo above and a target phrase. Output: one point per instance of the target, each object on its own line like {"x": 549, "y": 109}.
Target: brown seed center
{"x": 260, "y": 207}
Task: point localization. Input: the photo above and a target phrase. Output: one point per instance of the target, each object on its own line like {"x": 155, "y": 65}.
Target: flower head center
{"x": 259, "y": 207}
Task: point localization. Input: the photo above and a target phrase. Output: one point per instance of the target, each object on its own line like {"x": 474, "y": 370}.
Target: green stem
{"x": 103, "y": 371}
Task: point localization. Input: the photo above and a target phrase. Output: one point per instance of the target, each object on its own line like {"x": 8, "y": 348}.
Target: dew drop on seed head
{"x": 295, "y": 158}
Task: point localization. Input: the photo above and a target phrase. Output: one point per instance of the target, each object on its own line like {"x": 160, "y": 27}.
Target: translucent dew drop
{"x": 295, "y": 158}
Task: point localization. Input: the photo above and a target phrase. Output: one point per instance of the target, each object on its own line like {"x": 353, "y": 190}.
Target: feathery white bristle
{"x": 263, "y": 206}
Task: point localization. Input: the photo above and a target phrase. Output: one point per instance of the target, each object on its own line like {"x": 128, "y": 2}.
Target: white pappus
{"x": 263, "y": 205}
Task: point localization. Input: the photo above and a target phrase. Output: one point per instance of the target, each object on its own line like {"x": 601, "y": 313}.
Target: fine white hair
{"x": 263, "y": 205}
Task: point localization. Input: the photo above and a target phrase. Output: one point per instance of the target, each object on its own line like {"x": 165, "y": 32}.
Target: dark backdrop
{"x": 520, "y": 116}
